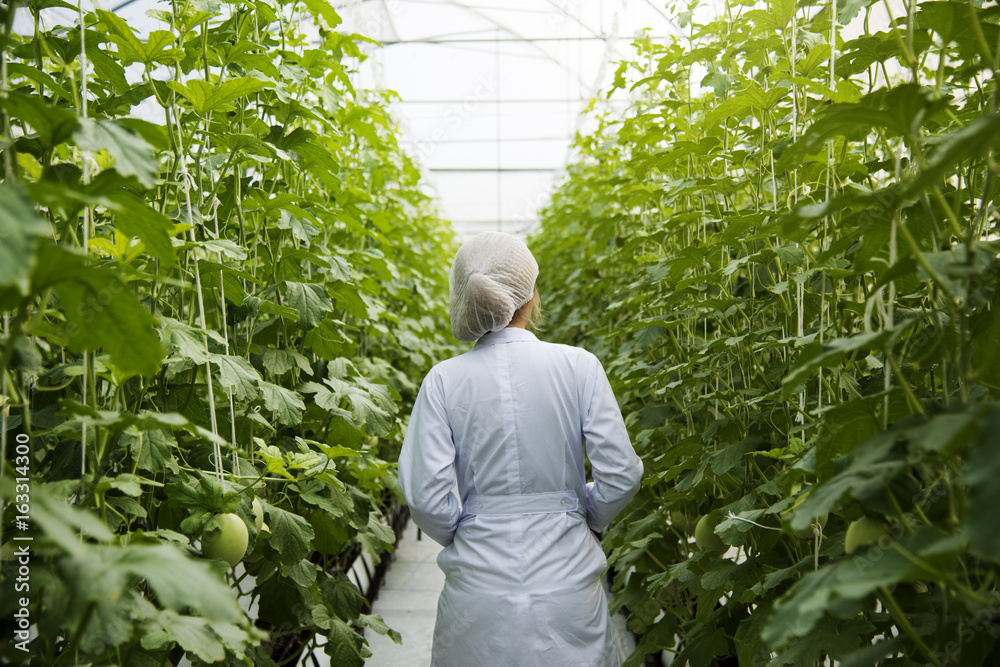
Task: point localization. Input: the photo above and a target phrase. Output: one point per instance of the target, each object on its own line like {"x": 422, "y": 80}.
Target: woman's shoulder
{"x": 570, "y": 351}
{"x": 576, "y": 356}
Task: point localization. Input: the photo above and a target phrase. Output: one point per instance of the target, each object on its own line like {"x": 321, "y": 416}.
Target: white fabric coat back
{"x": 510, "y": 422}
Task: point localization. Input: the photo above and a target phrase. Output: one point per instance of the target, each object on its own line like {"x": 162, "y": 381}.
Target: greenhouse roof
{"x": 491, "y": 92}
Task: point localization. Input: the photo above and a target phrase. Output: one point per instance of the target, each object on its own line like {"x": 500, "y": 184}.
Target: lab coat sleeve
{"x": 427, "y": 465}
{"x": 616, "y": 468}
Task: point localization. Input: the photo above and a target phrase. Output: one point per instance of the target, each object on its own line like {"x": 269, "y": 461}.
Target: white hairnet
{"x": 493, "y": 275}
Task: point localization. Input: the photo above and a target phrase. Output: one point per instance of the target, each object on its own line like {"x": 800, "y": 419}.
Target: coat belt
{"x": 528, "y": 503}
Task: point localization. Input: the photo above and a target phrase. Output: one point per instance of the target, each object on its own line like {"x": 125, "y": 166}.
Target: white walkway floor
{"x": 408, "y": 603}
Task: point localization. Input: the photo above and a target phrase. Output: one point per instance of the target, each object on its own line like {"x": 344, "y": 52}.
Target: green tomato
{"x": 679, "y": 521}
{"x": 705, "y": 537}
{"x": 229, "y": 541}
{"x": 258, "y": 513}
{"x": 864, "y": 531}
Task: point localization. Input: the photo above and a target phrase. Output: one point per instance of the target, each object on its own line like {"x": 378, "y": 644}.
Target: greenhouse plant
{"x": 222, "y": 279}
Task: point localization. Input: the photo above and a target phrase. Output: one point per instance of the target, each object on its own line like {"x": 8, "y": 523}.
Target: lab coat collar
{"x": 506, "y": 335}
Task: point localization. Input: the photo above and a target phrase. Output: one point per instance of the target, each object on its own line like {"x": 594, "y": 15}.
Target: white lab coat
{"x": 509, "y": 421}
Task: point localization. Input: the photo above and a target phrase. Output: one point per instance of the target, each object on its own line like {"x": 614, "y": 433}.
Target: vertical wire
{"x": 8, "y": 159}
{"x": 826, "y": 218}
{"x": 86, "y": 222}
{"x": 203, "y": 321}
{"x": 222, "y": 301}
{"x": 890, "y": 314}
{"x": 499, "y": 157}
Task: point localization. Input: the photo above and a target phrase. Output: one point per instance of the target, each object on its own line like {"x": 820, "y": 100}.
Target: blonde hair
{"x": 530, "y": 314}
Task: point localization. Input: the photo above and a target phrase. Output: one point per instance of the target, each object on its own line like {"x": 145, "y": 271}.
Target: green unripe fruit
{"x": 229, "y": 541}
{"x": 679, "y": 521}
{"x": 706, "y": 538}
{"x": 862, "y": 532}
{"x": 258, "y": 513}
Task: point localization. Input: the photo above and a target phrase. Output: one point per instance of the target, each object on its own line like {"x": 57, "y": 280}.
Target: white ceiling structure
{"x": 491, "y": 91}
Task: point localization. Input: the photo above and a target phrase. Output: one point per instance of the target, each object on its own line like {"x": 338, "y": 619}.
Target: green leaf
{"x": 183, "y": 340}
{"x": 311, "y": 300}
{"x": 20, "y": 225}
{"x": 206, "y": 495}
{"x": 873, "y": 654}
{"x": 238, "y": 378}
{"x": 371, "y": 404}
{"x": 154, "y": 134}
{"x": 281, "y": 360}
{"x": 286, "y": 404}
{"x": 970, "y": 141}
{"x": 291, "y": 534}
{"x": 62, "y": 523}
{"x": 192, "y": 634}
{"x": 375, "y": 622}
{"x": 789, "y": 254}
{"x": 783, "y": 11}
{"x": 326, "y": 340}
{"x": 745, "y": 101}
{"x": 832, "y": 352}
{"x": 303, "y": 573}
{"x": 846, "y": 584}
{"x": 136, "y": 219}
{"x": 182, "y": 582}
{"x": 42, "y": 79}
{"x": 377, "y": 538}
{"x": 100, "y": 310}
{"x": 107, "y": 68}
{"x": 343, "y": 597}
{"x": 152, "y": 449}
{"x": 205, "y": 96}
{"x": 322, "y": 8}
{"x": 776, "y": 17}
{"x": 132, "y": 155}
{"x": 155, "y": 49}
{"x": 223, "y": 247}
{"x": 330, "y": 536}
{"x": 984, "y": 492}
{"x": 344, "y": 645}
{"x": 348, "y": 297}
{"x": 946, "y": 434}
{"x": 53, "y": 125}
{"x": 130, "y": 49}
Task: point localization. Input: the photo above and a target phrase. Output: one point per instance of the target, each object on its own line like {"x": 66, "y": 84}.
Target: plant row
{"x": 786, "y": 253}
{"x": 219, "y": 290}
